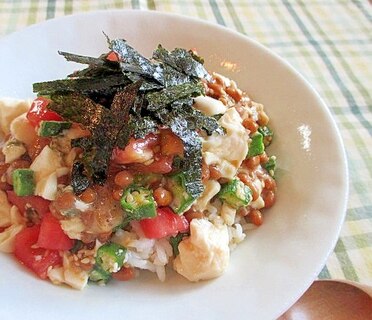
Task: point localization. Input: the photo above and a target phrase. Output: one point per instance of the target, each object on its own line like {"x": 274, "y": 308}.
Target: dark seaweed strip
{"x": 107, "y": 132}
{"x": 192, "y": 162}
{"x": 183, "y": 61}
{"x": 139, "y": 63}
{"x": 79, "y": 179}
{"x": 78, "y": 108}
{"x": 173, "y": 77}
{"x": 82, "y": 85}
{"x": 82, "y": 59}
{"x": 98, "y": 71}
{"x": 85, "y": 143}
{"x": 167, "y": 96}
{"x": 196, "y": 119}
{"x": 162, "y": 54}
{"x": 144, "y": 126}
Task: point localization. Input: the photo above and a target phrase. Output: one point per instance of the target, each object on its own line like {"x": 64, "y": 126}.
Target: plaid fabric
{"x": 329, "y": 42}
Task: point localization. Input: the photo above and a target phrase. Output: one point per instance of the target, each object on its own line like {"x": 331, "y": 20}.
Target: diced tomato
{"x": 39, "y": 112}
{"x": 170, "y": 144}
{"x": 161, "y": 165}
{"x": 112, "y": 56}
{"x": 124, "y": 274}
{"x": 40, "y": 204}
{"x": 137, "y": 150}
{"x": 36, "y": 259}
{"x": 166, "y": 223}
{"x": 52, "y": 236}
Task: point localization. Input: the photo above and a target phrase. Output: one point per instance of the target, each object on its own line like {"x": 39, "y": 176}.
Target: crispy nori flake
{"x": 78, "y": 108}
{"x": 183, "y": 61}
{"x": 106, "y": 133}
{"x": 79, "y": 179}
{"x": 173, "y": 77}
{"x": 82, "y": 59}
{"x": 165, "y": 70}
{"x": 159, "y": 99}
{"x": 196, "y": 119}
{"x": 86, "y": 143}
{"x": 133, "y": 62}
{"x": 98, "y": 71}
{"x": 104, "y": 85}
{"x": 143, "y": 126}
{"x": 191, "y": 163}
{"x": 98, "y": 67}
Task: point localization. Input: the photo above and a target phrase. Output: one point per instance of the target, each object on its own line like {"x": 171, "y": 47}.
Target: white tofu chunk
{"x": 13, "y": 150}
{"x": 69, "y": 274}
{"x": 7, "y": 237}
{"x": 205, "y": 254}
{"x": 74, "y": 276}
{"x": 47, "y": 187}
{"x": 47, "y": 162}
{"x": 10, "y": 109}
{"x": 211, "y": 188}
{"x": 22, "y": 130}
{"x": 209, "y": 106}
{"x": 227, "y": 151}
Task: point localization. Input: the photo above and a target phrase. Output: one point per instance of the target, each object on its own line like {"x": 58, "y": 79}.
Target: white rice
{"x": 143, "y": 253}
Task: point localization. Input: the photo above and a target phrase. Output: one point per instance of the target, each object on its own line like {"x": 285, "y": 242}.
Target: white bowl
{"x": 278, "y": 261}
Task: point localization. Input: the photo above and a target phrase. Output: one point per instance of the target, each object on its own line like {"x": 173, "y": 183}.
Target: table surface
{"x": 328, "y": 41}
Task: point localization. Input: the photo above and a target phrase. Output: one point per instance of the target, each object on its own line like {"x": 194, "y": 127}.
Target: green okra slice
{"x": 235, "y": 193}
{"x": 23, "y": 182}
{"x": 110, "y": 258}
{"x": 182, "y": 200}
{"x": 270, "y": 166}
{"x": 256, "y": 146}
{"x": 99, "y": 275}
{"x": 138, "y": 202}
{"x": 53, "y": 128}
{"x": 267, "y": 134}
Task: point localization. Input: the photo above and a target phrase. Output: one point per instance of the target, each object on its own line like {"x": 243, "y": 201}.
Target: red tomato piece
{"x": 39, "y": 112}
{"x": 112, "y": 56}
{"x": 137, "y": 150}
{"x": 52, "y": 235}
{"x": 166, "y": 223}
{"x": 162, "y": 165}
{"x": 40, "y": 204}
{"x": 124, "y": 274}
{"x": 36, "y": 259}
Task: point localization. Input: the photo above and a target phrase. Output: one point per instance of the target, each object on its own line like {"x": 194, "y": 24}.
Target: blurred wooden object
{"x": 331, "y": 300}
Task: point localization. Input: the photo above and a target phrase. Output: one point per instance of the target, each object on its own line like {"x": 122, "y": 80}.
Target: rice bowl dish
{"x": 133, "y": 164}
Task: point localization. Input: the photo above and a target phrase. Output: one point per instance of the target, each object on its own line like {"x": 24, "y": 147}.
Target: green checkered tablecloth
{"x": 328, "y": 41}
